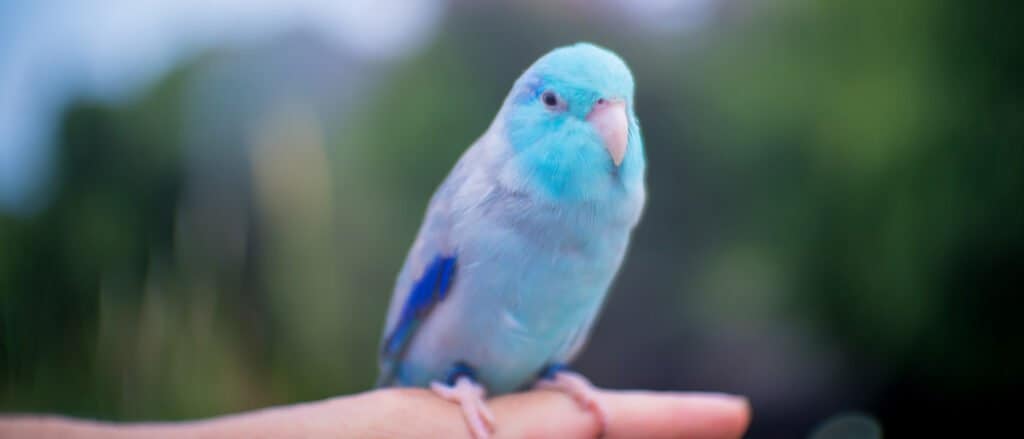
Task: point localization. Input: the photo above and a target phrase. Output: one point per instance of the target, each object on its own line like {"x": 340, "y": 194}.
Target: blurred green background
{"x": 212, "y": 223}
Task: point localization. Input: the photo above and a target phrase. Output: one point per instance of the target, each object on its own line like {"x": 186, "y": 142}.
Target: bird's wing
{"x": 430, "y": 267}
{"x": 430, "y": 289}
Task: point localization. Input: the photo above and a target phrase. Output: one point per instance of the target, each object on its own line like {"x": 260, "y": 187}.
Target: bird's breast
{"x": 544, "y": 261}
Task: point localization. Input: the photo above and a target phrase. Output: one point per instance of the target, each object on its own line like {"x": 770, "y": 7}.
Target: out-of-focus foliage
{"x": 834, "y": 221}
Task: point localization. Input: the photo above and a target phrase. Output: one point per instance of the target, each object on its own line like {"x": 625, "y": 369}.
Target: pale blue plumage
{"x": 522, "y": 240}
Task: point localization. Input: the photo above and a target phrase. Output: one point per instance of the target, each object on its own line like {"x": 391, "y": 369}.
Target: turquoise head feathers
{"x": 571, "y": 124}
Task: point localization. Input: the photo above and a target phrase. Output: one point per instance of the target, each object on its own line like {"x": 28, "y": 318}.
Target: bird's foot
{"x": 579, "y": 388}
{"x": 470, "y": 396}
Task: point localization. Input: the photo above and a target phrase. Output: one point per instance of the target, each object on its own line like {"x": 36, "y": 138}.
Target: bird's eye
{"x": 549, "y": 98}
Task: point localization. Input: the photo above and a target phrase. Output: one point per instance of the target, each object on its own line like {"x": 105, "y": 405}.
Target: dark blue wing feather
{"x": 431, "y": 288}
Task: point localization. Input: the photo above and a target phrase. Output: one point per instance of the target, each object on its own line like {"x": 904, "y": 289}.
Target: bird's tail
{"x": 387, "y": 375}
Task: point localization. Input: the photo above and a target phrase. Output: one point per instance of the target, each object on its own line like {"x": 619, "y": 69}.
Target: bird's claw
{"x": 581, "y": 390}
{"x": 470, "y": 397}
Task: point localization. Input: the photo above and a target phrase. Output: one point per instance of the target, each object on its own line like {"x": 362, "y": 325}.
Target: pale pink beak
{"x": 609, "y": 119}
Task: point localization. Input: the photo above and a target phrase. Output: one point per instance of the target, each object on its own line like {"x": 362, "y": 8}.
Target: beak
{"x": 609, "y": 119}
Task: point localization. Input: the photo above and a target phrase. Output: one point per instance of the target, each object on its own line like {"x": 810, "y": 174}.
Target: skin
{"x": 375, "y": 414}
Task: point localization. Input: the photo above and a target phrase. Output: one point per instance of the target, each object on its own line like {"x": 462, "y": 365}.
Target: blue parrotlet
{"x": 522, "y": 240}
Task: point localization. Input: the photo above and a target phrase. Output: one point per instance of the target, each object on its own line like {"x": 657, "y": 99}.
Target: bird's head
{"x": 570, "y": 122}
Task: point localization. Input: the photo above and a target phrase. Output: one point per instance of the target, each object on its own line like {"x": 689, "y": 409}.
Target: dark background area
{"x": 834, "y": 224}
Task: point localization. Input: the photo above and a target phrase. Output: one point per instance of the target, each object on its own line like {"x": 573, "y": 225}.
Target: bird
{"x": 522, "y": 240}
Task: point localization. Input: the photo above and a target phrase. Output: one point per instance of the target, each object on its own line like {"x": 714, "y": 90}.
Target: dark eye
{"x": 549, "y": 98}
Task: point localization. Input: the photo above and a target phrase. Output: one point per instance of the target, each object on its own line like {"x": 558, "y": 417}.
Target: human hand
{"x": 417, "y": 413}
{"x": 544, "y": 414}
